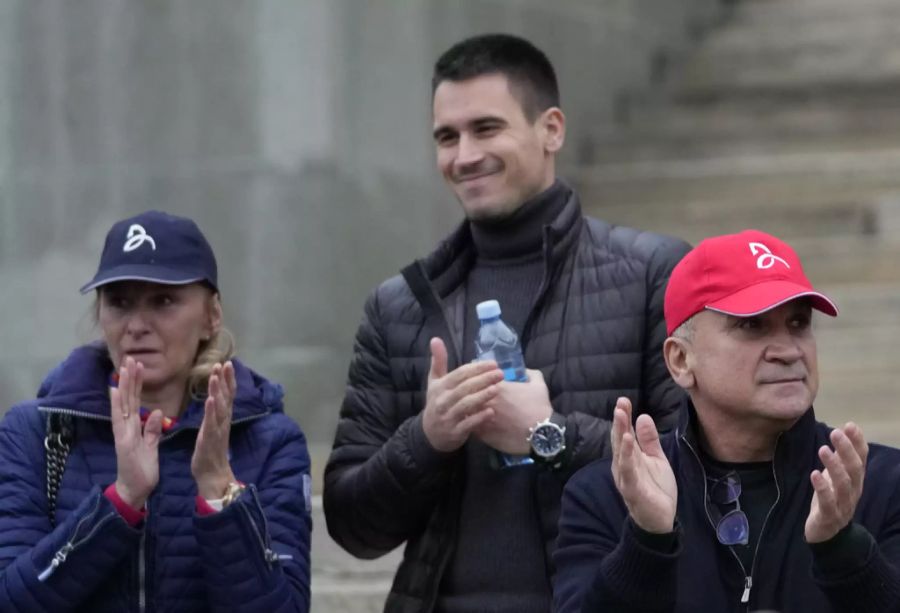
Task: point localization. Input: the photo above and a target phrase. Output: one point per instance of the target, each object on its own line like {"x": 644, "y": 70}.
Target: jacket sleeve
{"x": 587, "y": 439}
{"x": 661, "y": 396}
{"x": 255, "y": 552}
{"x": 869, "y": 584}
{"x": 600, "y": 563}
{"x": 383, "y": 478}
{"x": 587, "y": 436}
{"x": 859, "y": 570}
{"x": 43, "y": 568}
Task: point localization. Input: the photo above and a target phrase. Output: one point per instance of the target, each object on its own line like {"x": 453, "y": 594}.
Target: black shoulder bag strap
{"x": 418, "y": 283}
{"x": 60, "y": 434}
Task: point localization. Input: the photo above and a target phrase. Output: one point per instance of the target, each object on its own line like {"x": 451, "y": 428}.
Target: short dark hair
{"x": 527, "y": 68}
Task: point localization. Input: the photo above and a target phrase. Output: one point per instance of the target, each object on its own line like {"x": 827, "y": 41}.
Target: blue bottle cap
{"x": 488, "y": 309}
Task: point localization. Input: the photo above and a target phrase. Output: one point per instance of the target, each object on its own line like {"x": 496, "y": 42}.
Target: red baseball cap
{"x": 742, "y": 274}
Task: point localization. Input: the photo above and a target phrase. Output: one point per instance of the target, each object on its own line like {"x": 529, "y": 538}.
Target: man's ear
{"x": 677, "y": 353}
{"x": 553, "y": 123}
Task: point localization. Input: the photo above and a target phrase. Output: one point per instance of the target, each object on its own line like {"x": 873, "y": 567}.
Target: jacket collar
{"x": 448, "y": 265}
{"x": 80, "y": 384}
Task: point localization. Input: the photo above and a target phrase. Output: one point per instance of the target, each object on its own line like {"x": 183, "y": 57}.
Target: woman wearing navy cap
{"x": 154, "y": 472}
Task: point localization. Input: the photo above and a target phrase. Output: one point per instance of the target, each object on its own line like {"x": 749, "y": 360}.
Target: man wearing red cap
{"x": 750, "y": 503}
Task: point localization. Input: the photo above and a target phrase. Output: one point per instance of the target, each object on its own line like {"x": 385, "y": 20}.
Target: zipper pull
{"x": 56, "y": 562}
{"x": 272, "y": 557}
{"x": 748, "y": 583}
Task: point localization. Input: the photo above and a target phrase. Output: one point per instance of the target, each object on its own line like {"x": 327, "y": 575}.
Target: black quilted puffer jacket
{"x": 596, "y": 333}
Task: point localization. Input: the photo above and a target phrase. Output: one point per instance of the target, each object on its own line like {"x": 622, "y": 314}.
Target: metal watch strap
{"x": 232, "y": 492}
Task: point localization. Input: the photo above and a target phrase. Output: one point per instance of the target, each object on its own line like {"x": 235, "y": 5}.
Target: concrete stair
{"x": 859, "y": 360}
{"x": 786, "y": 119}
{"x": 790, "y": 44}
{"x": 743, "y": 125}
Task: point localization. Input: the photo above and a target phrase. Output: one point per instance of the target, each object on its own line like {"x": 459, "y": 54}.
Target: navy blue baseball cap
{"x": 158, "y": 248}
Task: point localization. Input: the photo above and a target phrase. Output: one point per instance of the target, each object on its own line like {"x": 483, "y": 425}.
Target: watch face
{"x": 547, "y": 440}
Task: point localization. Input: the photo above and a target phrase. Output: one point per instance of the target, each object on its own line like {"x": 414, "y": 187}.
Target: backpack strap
{"x": 58, "y": 443}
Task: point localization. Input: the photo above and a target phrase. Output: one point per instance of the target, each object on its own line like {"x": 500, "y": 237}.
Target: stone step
{"x": 710, "y": 74}
{"x": 843, "y": 178}
{"x": 860, "y": 216}
{"x": 840, "y": 401}
{"x": 848, "y": 259}
{"x": 868, "y": 398}
{"x": 793, "y": 27}
{"x": 860, "y": 305}
{"x": 670, "y": 143}
{"x": 882, "y": 431}
{"x": 697, "y": 219}
{"x": 839, "y": 243}
{"x": 800, "y": 48}
{"x": 801, "y": 12}
{"x": 860, "y": 348}
{"x": 748, "y": 125}
{"x": 862, "y": 164}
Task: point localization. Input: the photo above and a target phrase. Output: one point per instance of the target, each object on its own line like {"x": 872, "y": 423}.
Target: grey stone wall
{"x": 296, "y": 132}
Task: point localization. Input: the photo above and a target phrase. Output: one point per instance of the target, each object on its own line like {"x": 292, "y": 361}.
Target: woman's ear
{"x": 214, "y": 313}
{"x": 677, "y": 352}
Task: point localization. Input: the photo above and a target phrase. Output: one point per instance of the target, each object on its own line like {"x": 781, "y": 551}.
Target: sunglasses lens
{"x": 733, "y": 528}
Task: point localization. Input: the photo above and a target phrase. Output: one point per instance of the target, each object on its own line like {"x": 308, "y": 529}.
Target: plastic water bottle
{"x": 497, "y": 341}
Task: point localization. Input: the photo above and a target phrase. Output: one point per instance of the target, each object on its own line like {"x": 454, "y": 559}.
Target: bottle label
{"x": 515, "y": 374}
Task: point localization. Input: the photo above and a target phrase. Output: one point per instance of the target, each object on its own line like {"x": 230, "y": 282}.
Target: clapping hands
{"x": 641, "y": 471}
{"x": 137, "y": 444}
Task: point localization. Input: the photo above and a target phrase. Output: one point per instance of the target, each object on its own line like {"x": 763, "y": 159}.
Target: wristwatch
{"x": 548, "y": 442}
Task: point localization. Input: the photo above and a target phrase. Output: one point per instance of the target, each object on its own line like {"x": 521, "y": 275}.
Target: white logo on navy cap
{"x": 766, "y": 258}
{"x": 137, "y": 236}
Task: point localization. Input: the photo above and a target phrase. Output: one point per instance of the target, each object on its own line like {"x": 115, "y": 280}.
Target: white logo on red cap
{"x": 137, "y": 236}
{"x": 766, "y": 260}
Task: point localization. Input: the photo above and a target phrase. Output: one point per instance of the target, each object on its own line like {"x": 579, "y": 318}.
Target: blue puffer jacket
{"x": 251, "y": 556}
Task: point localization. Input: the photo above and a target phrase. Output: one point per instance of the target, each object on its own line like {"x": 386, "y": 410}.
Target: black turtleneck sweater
{"x": 498, "y": 564}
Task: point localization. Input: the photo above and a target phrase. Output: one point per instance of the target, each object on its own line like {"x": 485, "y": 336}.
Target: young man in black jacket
{"x": 421, "y": 425}
{"x": 750, "y": 504}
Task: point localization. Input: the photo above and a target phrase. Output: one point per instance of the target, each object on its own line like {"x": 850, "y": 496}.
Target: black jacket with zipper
{"x": 602, "y": 566}
{"x": 595, "y": 331}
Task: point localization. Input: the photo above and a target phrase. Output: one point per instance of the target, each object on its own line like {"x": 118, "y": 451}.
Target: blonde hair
{"x": 217, "y": 350}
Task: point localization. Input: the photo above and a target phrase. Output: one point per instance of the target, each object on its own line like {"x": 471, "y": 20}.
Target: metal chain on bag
{"x": 58, "y": 443}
